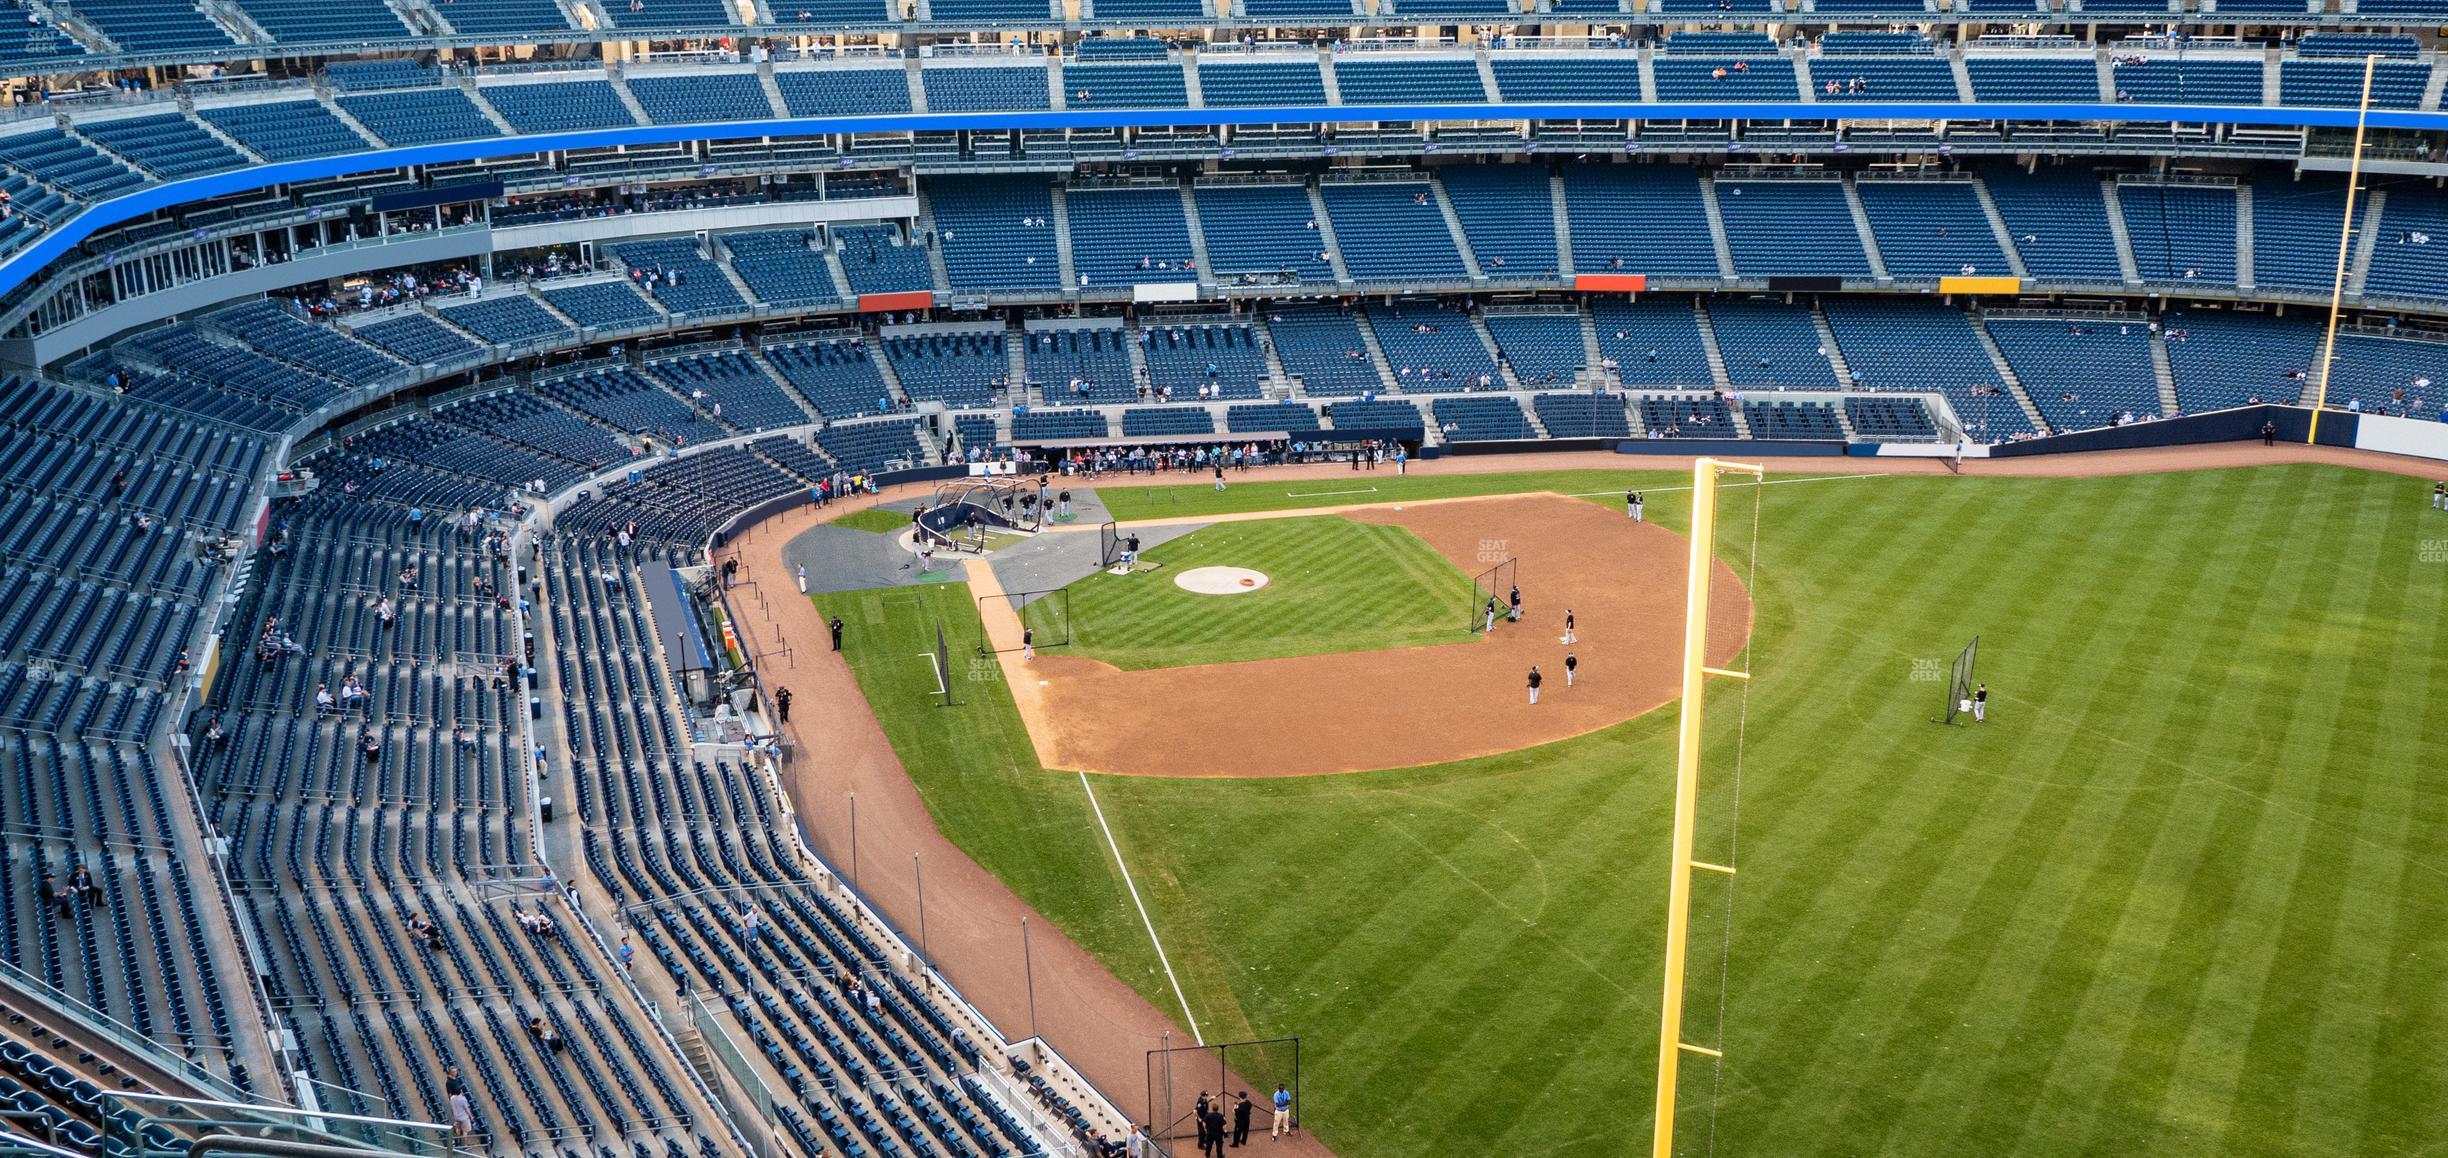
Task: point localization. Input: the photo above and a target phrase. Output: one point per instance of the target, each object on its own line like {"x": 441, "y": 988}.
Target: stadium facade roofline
{"x": 24, "y": 265}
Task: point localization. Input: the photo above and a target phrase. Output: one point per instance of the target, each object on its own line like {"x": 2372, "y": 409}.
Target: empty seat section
{"x": 1790, "y": 227}
{"x": 1567, "y": 78}
{"x": 1269, "y": 418}
{"x": 2042, "y": 79}
{"x": 1653, "y": 341}
{"x": 782, "y": 266}
{"x": 1932, "y": 229}
{"x": 1489, "y": 419}
{"x": 505, "y": 320}
{"x": 604, "y": 305}
{"x": 1638, "y": 218}
{"x": 2080, "y": 373}
{"x": 559, "y": 107}
{"x": 2395, "y": 84}
{"x": 1226, "y": 359}
{"x": 1717, "y": 78}
{"x": 1265, "y": 233}
{"x": 2192, "y": 81}
{"x": 1166, "y": 421}
{"x": 1378, "y": 418}
{"x": 1883, "y": 78}
{"x": 325, "y": 21}
{"x": 1130, "y": 236}
{"x": 844, "y": 91}
{"x": 1508, "y": 213}
{"x": 480, "y": 17}
{"x": 2221, "y": 358}
{"x": 1408, "y": 81}
{"x": 418, "y": 339}
{"x": 876, "y": 261}
{"x": 154, "y": 25}
{"x": 1890, "y": 419}
{"x": 964, "y": 368}
{"x": 1687, "y": 416}
{"x": 2408, "y": 259}
{"x": 1320, "y": 346}
{"x": 996, "y": 232}
{"x": 1545, "y": 350}
{"x": 1135, "y": 85}
{"x": 419, "y": 116}
{"x": 736, "y": 383}
{"x": 169, "y": 146}
{"x": 1785, "y": 419}
{"x": 1770, "y": 343}
{"x": 2295, "y": 231}
{"x": 1081, "y": 365}
{"x": 838, "y": 376}
{"x": 700, "y": 97}
{"x": 2058, "y": 219}
{"x": 989, "y": 12}
{"x": 287, "y": 131}
{"x": 2181, "y": 233}
{"x": 1433, "y": 349}
{"x": 1392, "y": 230}
{"x": 1924, "y": 346}
{"x": 683, "y": 279}
{"x": 983, "y": 89}
{"x": 54, "y": 156}
{"x": 1033, "y": 425}
{"x": 1273, "y": 82}
{"x": 1573, "y": 414}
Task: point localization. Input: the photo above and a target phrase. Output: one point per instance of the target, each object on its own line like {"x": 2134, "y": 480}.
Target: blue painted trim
{"x": 21, "y": 266}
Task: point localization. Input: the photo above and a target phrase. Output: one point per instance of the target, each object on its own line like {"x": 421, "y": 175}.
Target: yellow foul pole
{"x": 1687, "y": 787}
{"x": 2337, "y": 285}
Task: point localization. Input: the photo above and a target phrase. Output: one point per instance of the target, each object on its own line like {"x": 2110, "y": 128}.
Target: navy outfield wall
{"x": 2337, "y": 428}
{"x": 23, "y": 265}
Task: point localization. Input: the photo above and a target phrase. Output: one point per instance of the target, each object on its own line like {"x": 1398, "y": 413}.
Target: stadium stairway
{"x": 1453, "y": 221}
{"x": 1717, "y": 232}
{"x": 1376, "y": 350}
{"x": 1326, "y": 238}
{"x": 1708, "y": 344}
{"x": 1563, "y": 231}
{"x": 884, "y": 369}
{"x": 1062, "y": 237}
{"x": 1592, "y": 358}
{"x": 1861, "y": 225}
{"x": 2164, "y": 374}
{"x": 2244, "y": 228}
{"x": 2367, "y": 242}
{"x": 1827, "y": 343}
{"x": 1198, "y": 233}
{"x": 2126, "y": 263}
{"x": 1997, "y": 221}
{"x": 2006, "y": 373}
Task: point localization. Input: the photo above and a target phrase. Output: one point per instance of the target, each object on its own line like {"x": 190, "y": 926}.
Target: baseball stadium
{"x": 1130, "y": 578}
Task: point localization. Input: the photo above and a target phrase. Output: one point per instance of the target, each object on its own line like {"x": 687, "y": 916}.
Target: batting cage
{"x": 943, "y": 662}
{"x": 1045, "y": 613}
{"x": 1109, "y": 546}
{"x": 1178, "y": 1077}
{"x": 989, "y": 500}
{"x": 1494, "y": 583}
{"x": 1959, "y": 683}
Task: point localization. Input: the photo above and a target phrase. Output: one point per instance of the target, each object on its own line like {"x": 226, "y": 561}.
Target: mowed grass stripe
{"x": 2150, "y": 734}
{"x": 1334, "y": 585}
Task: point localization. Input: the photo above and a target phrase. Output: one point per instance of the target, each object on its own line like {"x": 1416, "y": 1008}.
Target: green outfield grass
{"x": 875, "y": 519}
{"x": 1333, "y": 585}
{"x": 2180, "y": 896}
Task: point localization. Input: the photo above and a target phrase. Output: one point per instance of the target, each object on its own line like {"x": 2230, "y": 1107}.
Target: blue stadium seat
{"x": 1639, "y": 218}
{"x": 1790, "y": 227}
{"x": 996, "y": 232}
{"x": 558, "y": 107}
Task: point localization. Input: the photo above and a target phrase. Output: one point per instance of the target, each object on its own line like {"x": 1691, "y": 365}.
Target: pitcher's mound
{"x": 1220, "y": 580}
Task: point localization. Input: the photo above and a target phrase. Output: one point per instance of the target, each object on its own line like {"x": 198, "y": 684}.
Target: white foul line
{"x": 1143, "y": 913}
{"x": 940, "y": 687}
{"x": 1739, "y": 483}
{"x": 1328, "y": 494}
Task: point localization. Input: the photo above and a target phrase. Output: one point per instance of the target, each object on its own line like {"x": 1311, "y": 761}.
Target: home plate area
{"x": 1220, "y": 580}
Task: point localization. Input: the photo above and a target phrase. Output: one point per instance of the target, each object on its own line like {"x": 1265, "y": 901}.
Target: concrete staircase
{"x": 934, "y": 249}
{"x": 467, "y": 84}
{"x": 1334, "y": 251}
{"x": 1593, "y": 358}
{"x": 1997, "y": 225}
{"x": 1531, "y": 412}
{"x": 2431, "y": 88}
{"x": 1062, "y": 237}
{"x": 1376, "y": 352}
{"x": 1015, "y": 355}
{"x": 1563, "y": 224}
{"x": 2126, "y": 264}
{"x": 2006, "y": 373}
{"x": 884, "y": 370}
{"x": 1708, "y": 345}
{"x": 722, "y": 261}
{"x": 917, "y": 85}
{"x": 1869, "y": 238}
{"x": 2367, "y": 242}
{"x": 2244, "y": 235}
{"x": 773, "y": 91}
{"x": 1742, "y": 423}
{"x": 1453, "y": 220}
{"x": 1198, "y": 235}
{"x": 782, "y": 382}
{"x": 1717, "y": 233}
{"x": 629, "y": 100}
{"x": 1504, "y": 368}
{"x": 1844, "y": 422}
{"x": 1835, "y": 353}
{"x": 1137, "y": 353}
{"x": 841, "y": 277}
{"x": 2163, "y": 372}
{"x": 1279, "y": 383}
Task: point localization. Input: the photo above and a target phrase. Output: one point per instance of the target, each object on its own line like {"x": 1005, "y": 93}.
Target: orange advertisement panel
{"x": 1611, "y": 283}
{"x": 1980, "y": 285}
{"x": 910, "y": 300}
